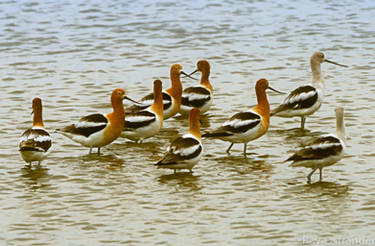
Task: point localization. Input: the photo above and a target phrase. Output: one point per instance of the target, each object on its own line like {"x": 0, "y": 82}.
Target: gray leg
{"x": 309, "y": 176}
{"x": 90, "y": 150}
{"x": 98, "y": 150}
{"x": 230, "y": 146}
{"x": 244, "y": 149}
{"x": 303, "y": 120}
{"x": 320, "y": 174}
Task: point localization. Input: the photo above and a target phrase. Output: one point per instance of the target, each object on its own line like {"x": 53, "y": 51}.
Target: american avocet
{"x": 248, "y": 125}
{"x": 98, "y": 130}
{"x": 307, "y": 99}
{"x": 171, "y": 96}
{"x": 147, "y": 122}
{"x": 324, "y": 151}
{"x": 185, "y": 152}
{"x": 198, "y": 96}
{"x": 35, "y": 143}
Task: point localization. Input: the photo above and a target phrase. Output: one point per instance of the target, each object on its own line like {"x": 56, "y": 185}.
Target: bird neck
{"x": 263, "y": 106}
{"x": 316, "y": 72}
{"x": 205, "y": 81}
{"x": 340, "y": 127}
{"x": 157, "y": 106}
{"x": 38, "y": 118}
{"x": 117, "y": 116}
{"x": 176, "y": 90}
{"x": 194, "y": 127}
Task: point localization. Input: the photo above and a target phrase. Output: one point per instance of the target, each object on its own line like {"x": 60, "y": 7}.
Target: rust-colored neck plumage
{"x": 117, "y": 117}
{"x": 204, "y": 79}
{"x": 176, "y": 90}
{"x": 194, "y": 124}
{"x": 37, "y": 110}
{"x": 263, "y": 107}
{"x": 157, "y": 106}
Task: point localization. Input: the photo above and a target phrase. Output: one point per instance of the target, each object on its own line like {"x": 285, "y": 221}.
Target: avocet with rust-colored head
{"x": 186, "y": 151}
{"x": 248, "y": 125}
{"x": 200, "y": 96}
{"x": 35, "y": 143}
{"x": 98, "y": 130}
{"x": 145, "y": 123}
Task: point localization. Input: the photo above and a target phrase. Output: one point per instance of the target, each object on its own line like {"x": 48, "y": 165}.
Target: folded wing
{"x": 181, "y": 149}
{"x": 138, "y": 120}
{"x": 238, "y": 123}
{"x": 301, "y": 98}
{"x": 87, "y": 125}
{"x": 35, "y": 140}
{"x": 195, "y": 96}
{"x": 321, "y": 148}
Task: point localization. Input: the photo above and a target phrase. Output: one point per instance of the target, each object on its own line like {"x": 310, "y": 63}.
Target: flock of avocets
{"x": 144, "y": 119}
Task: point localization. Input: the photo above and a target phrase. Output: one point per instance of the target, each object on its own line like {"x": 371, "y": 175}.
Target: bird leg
{"x": 320, "y": 174}
{"x": 98, "y": 150}
{"x": 303, "y": 120}
{"x": 244, "y": 149}
{"x": 230, "y": 146}
{"x": 309, "y": 176}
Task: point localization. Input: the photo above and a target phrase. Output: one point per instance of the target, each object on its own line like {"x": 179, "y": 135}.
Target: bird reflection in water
{"x": 111, "y": 161}
{"x": 321, "y": 188}
{"x": 185, "y": 180}
{"x": 33, "y": 175}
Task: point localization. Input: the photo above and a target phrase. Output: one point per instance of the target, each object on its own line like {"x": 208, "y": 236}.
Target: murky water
{"x": 72, "y": 54}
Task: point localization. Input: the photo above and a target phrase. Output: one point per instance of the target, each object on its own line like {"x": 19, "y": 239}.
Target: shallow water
{"x": 72, "y": 54}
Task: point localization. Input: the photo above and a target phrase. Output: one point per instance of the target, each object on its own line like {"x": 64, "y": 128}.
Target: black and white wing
{"x": 301, "y": 98}
{"x": 138, "y": 120}
{"x": 87, "y": 125}
{"x": 321, "y": 148}
{"x": 195, "y": 96}
{"x": 183, "y": 148}
{"x": 35, "y": 139}
{"x": 238, "y": 123}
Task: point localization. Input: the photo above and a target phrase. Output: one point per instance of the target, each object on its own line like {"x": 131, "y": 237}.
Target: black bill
{"x": 338, "y": 64}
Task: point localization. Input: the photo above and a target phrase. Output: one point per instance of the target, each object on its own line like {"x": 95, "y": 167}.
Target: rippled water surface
{"x": 72, "y": 54}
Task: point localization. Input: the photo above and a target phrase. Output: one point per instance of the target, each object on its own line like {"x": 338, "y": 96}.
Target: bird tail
{"x": 69, "y": 128}
{"x": 289, "y": 159}
{"x": 278, "y": 109}
{"x": 167, "y": 159}
{"x": 294, "y": 159}
{"x": 274, "y": 111}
